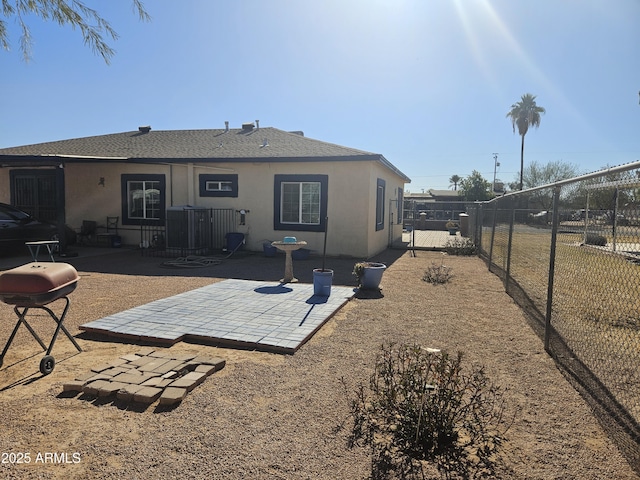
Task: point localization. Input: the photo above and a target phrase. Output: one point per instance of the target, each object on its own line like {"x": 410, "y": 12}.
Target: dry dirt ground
{"x": 276, "y": 416}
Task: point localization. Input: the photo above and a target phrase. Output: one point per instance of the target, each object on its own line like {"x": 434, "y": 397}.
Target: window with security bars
{"x": 37, "y": 192}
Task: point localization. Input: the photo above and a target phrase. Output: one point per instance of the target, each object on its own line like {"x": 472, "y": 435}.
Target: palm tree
{"x": 524, "y": 114}
{"x": 454, "y": 180}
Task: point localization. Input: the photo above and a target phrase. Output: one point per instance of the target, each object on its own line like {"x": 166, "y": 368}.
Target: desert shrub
{"x": 594, "y": 239}
{"x": 423, "y": 410}
{"x": 460, "y": 246}
{"x": 437, "y": 274}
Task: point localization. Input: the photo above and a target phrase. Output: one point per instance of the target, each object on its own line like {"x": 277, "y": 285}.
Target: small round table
{"x": 287, "y": 248}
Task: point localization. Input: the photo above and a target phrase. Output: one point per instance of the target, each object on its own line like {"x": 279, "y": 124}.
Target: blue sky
{"x": 426, "y": 83}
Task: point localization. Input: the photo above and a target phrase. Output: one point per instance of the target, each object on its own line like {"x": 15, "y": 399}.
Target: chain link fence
{"x": 569, "y": 254}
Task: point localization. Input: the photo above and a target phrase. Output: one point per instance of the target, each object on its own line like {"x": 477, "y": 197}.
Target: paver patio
{"x": 241, "y": 313}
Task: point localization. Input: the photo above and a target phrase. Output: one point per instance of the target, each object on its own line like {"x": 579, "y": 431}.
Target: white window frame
{"x": 317, "y": 204}
{"x": 147, "y": 187}
{"x": 219, "y": 186}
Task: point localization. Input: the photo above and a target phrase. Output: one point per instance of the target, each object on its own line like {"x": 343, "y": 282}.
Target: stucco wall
{"x": 351, "y": 199}
{"x": 379, "y": 240}
{"x": 347, "y": 204}
{"x": 87, "y": 198}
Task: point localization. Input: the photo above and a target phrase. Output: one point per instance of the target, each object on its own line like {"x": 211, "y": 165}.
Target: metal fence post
{"x": 478, "y": 226}
{"x": 615, "y": 216}
{"x": 493, "y": 232}
{"x": 552, "y": 267}
{"x": 413, "y": 229}
{"x": 510, "y": 243}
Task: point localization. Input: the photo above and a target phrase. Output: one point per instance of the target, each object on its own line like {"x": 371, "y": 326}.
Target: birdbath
{"x": 287, "y": 247}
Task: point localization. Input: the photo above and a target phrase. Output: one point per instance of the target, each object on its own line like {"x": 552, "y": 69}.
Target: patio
{"x": 249, "y": 314}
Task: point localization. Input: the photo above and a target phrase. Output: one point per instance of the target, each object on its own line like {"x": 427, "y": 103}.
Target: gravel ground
{"x": 276, "y": 416}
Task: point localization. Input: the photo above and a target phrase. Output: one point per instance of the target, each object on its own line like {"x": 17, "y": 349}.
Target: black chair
{"x": 87, "y": 231}
{"x": 112, "y": 230}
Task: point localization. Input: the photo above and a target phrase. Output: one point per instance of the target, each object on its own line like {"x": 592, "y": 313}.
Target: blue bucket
{"x": 269, "y": 250}
{"x": 322, "y": 282}
{"x": 300, "y": 254}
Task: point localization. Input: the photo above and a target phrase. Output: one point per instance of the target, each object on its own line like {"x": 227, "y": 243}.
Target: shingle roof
{"x": 213, "y": 145}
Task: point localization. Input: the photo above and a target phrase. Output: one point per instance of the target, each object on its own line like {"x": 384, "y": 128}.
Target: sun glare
{"x": 489, "y": 37}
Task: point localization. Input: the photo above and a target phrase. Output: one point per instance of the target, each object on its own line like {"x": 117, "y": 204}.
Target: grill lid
{"x": 37, "y": 278}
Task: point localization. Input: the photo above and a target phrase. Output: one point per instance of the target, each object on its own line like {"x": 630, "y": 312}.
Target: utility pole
{"x": 496, "y": 164}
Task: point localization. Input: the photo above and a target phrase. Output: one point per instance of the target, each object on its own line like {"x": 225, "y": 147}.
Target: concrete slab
{"x": 243, "y": 313}
{"x": 427, "y": 239}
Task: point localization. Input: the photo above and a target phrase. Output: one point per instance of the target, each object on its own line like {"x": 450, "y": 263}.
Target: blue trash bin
{"x": 235, "y": 240}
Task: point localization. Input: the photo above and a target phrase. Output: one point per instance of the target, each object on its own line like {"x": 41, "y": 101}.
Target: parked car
{"x": 579, "y": 215}
{"x": 18, "y": 227}
{"x": 540, "y": 218}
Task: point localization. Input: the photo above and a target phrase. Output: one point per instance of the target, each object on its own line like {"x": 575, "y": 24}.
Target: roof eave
{"x": 393, "y": 168}
{"x": 56, "y": 159}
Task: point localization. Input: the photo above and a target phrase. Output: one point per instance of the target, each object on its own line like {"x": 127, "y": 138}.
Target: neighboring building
{"x": 445, "y": 195}
{"x": 436, "y": 204}
{"x": 278, "y": 183}
{"x": 432, "y": 209}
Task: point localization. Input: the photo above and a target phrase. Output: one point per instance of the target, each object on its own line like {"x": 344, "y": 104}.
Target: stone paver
{"x": 260, "y": 315}
{"x": 126, "y": 394}
{"x": 147, "y": 395}
{"x": 138, "y": 384}
{"x": 190, "y": 381}
{"x": 92, "y": 388}
{"x": 110, "y": 388}
{"x": 73, "y": 386}
{"x": 172, "y": 395}
{"x": 206, "y": 369}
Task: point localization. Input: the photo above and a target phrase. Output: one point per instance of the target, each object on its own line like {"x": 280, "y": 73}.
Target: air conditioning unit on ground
{"x": 188, "y": 229}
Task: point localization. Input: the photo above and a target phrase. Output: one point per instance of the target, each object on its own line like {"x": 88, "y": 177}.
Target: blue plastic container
{"x": 235, "y": 240}
{"x": 322, "y": 282}
{"x": 269, "y": 250}
{"x": 300, "y": 254}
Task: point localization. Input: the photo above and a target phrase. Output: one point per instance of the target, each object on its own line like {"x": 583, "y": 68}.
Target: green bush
{"x": 437, "y": 274}
{"x": 460, "y": 246}
{"x": 422, "y": 410}
{"x": 593, "y": 239}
